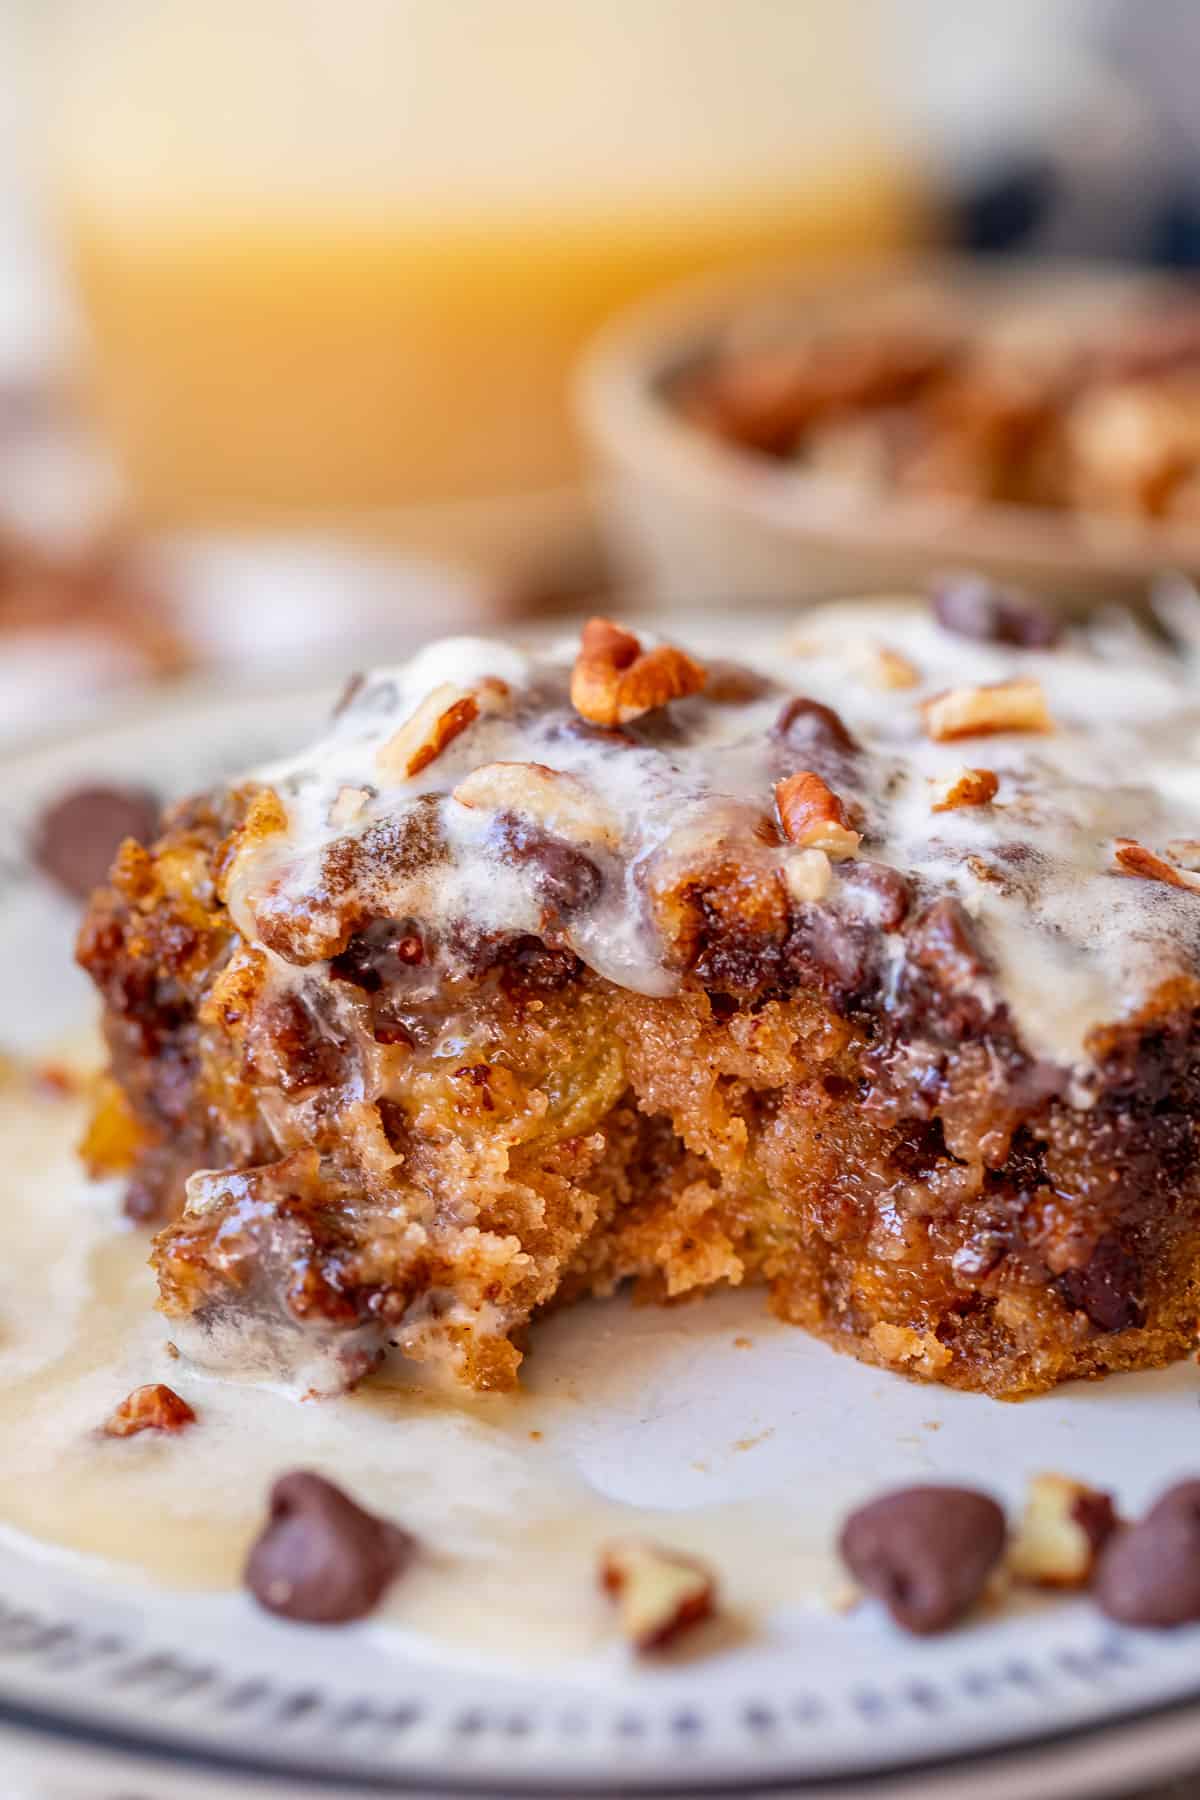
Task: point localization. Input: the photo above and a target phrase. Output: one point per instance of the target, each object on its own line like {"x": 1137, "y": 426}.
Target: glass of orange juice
{"x": 336, "y": 260}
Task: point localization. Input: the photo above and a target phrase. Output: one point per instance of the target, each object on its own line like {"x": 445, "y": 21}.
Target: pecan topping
{"x": 813, "y": 817}
{"x": 659, "y": 1593}
{"x": 1017, "y": 705}
{"x": 151, "y": 1408}
{"x": 1064, "y": 1527}
{"x": 808, "y": 874}
{"x": 615, "y": 680}
{"x": 1134, "y": 859}
{"x": 348, "y": 803}
{"x": 561, "y": 802}
{"x": 966, "y": 787}
{"x": 441, "y": 717}
{"x": 883, "y": 668}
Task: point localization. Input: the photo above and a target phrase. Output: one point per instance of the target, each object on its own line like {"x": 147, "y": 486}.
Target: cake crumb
{"x": 749, "y": 1443}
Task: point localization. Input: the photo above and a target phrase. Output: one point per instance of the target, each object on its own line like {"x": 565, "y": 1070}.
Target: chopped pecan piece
{"x": 808, "y": 874}
{"x": 348, "y": 803}
{"x": 659, "y": 1593}
{"x": 1017, "y": 705}
{"x": 966, "y": 787}
{"x": 813, "y": 817}
{"x": 1063, "y": 1529}
{"x": 440, "y": 718}
{"x": 561, "y": 802}
{"x": 155, "y": 1407}
{"x": 615, "y": 680}
{"x": 885, "y": 669}
{"x": 1134, "y": 859}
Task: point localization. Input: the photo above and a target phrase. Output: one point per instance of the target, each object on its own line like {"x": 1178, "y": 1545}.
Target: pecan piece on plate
{"x": 1063, "y": 1529}
{"x": 659, "y": 1593}
{"x": 154, "y": 1407}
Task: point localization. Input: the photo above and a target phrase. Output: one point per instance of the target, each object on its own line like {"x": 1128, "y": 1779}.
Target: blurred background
{"x": 294, "y": 297}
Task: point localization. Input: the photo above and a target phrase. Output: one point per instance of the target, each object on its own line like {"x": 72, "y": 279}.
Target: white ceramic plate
{"x": 112, "y": 1686}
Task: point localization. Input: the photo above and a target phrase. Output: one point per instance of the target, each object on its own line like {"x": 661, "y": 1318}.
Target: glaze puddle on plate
{"x": 510, "y": 1496}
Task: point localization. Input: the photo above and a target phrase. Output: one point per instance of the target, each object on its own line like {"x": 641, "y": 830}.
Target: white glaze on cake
{"x": 1071, "y": 943}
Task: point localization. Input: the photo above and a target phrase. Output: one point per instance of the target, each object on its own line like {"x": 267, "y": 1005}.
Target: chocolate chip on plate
{"x": 76, "y": 837}
{"x": 320, "y": 1558}
{"x": 926, "y": 1552}
{"x": 1149, "y": 1574}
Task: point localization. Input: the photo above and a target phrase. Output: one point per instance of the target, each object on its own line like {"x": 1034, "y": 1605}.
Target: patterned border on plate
{"x": 194, "y": 1710}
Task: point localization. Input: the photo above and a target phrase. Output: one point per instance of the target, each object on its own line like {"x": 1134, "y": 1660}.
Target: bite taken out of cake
{"x": 866, "y": 969}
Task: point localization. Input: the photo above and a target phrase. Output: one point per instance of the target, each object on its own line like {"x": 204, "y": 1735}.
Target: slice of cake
{"x": 868, "y": 970}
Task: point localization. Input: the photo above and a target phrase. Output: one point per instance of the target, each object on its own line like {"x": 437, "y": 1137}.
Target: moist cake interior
{"x": 864, "y": 970}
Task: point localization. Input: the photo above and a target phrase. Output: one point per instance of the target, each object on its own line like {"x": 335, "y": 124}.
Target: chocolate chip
{"x": 833, "y": 954}
{"x": 76, "y": 838}
{"x": 940, "y": 992}
{"x": 1107, "y": 1287}
{"x": 809, "y": 728}
{"x": 320, "y": 1558}
{"x": 974, "y": 607}
{"x": 889, "y": 891}
{"x": 926, "y": 1552}
{"x": 528, "y": 965}
{"x": 1149, "y": 1574}
{"x": 565, "y": 879}
{"x": 377, "y": 956}
{"x": 942, "y": 944}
